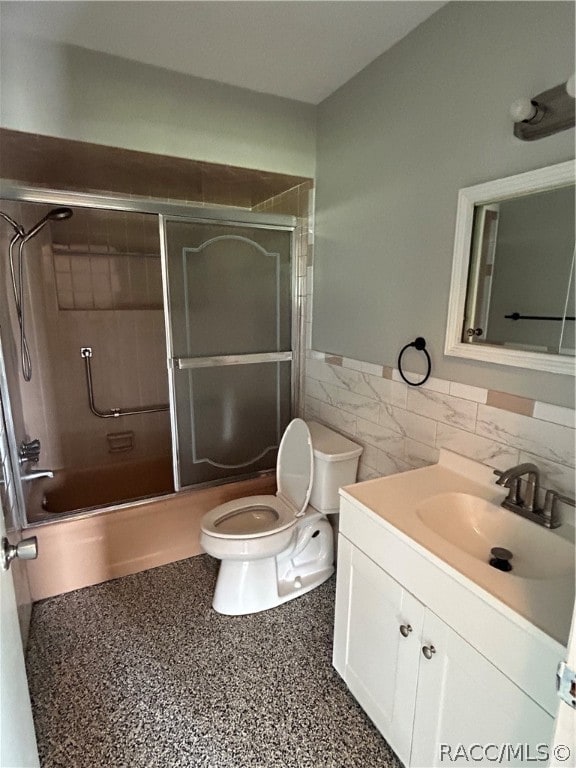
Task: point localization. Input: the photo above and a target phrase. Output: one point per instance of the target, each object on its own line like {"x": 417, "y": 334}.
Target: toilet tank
{"x": 335, "y": 464}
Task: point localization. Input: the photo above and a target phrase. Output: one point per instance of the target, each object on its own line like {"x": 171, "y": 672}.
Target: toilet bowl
{"x": 275, "y": 548}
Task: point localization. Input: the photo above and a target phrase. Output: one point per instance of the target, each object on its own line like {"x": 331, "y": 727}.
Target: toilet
{"x": 275, "y": 548}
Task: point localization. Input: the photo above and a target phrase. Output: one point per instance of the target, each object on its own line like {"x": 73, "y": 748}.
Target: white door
{"x": 467, "y": 710}
{"x": 17, "y": 737}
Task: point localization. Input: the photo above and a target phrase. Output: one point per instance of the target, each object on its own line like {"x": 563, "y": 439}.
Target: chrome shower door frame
{"x": 10, "y": 475}
{"x": 165, "y": 210}
{"x": 231, "y": 218}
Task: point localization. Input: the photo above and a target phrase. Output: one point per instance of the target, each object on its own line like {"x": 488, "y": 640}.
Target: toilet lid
{"x": 295, "y": 466}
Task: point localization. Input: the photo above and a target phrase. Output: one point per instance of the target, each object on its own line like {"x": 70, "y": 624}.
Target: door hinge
{"x": 566, "y": 684}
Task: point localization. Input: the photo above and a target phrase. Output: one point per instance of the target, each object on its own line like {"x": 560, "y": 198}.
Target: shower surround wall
{"x": 83, "y": 295}
{"x": 85, "y": 291}
{"x": 91, "y": 549}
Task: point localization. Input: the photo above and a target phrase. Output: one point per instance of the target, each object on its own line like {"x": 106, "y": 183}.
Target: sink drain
{"x": 500, "y": 558}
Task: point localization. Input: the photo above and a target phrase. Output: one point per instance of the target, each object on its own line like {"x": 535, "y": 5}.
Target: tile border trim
{"x": 507, "y": 401}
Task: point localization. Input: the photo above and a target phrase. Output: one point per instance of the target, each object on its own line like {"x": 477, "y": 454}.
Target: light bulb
{"x": 522, "y": 110}
{"x": 571, "y": 86}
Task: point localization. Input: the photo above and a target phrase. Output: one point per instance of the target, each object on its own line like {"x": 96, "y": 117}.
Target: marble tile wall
{"x": 402, "y": 427}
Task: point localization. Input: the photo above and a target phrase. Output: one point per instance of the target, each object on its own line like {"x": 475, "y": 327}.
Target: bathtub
{"x": 86, "y": 489}
{"x": 80, "y": 550}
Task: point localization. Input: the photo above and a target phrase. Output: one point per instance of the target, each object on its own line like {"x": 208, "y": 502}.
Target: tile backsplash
{"x": 403, "y": 427}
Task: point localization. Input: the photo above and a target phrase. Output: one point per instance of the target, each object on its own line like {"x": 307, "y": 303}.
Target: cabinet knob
{"x": 428, "y": 651}
{"x": 405, "y": 629}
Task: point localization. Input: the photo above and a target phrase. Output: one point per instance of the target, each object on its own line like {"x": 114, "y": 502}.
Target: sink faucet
{"x": 527, "y": 506}
{"x": 511, "y": 479}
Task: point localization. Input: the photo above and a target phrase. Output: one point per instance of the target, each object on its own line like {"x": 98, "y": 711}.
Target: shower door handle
{"x": 216, "y": 361}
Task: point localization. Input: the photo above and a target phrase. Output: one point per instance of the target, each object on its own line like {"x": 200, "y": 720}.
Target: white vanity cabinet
{"x": 461, "y": 698}
{"x": 378, "y": 663}
{"x": 422, "y": 684}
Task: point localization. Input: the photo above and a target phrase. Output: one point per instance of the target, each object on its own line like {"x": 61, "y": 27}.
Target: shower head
{"x": 18, "y": 228}
{"x": 56, "y": 214}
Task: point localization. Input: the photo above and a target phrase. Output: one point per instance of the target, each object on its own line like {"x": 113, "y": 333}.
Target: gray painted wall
{"x": 72, "y": 93}
{"x": 395, "y": 144}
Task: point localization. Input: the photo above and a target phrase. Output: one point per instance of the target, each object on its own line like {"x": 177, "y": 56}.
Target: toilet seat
{"x": 252, "y": 517}
{"x": 249, "y": 518}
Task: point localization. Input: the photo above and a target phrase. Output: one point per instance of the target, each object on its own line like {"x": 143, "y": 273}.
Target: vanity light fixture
{"x": 547, "y": 113}
{"x": 525, "y": 110}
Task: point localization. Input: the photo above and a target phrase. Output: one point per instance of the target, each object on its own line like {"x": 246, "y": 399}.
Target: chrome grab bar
{"x": 113, "y": 413}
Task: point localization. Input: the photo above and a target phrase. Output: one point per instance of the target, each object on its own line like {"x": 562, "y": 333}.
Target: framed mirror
{"x": 512, "y": 295}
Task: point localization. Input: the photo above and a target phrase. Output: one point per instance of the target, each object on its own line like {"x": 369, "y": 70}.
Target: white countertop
{"x": 544, "y": 603}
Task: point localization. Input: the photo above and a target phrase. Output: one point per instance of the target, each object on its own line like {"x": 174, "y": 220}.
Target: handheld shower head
{"x": 56, "y": 214}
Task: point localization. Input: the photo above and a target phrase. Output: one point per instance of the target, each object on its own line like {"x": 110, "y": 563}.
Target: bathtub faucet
{"x": 35, "y": 474}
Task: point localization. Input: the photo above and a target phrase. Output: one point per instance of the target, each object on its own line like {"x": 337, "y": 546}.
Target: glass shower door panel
{"x": 230, "y": 306}
{"x": 234, "y": 422}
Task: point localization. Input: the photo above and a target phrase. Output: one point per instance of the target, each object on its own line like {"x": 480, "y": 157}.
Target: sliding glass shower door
{"x": 229, "y": 294}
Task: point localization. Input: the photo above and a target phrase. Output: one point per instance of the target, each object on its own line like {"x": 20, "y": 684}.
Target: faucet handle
{"x": 29, "y": 451}
{"x": 552, "y": 496}
{"x": 550, "y": 512}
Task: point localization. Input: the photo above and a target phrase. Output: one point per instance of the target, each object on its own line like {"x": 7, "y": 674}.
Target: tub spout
{"x": 35, "y": 474}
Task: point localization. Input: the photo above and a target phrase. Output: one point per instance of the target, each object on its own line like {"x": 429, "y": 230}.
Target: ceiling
{"x": 290, "y": 48}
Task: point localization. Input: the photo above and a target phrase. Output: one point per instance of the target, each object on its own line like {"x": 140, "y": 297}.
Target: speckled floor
{"x": 142, "y": 673}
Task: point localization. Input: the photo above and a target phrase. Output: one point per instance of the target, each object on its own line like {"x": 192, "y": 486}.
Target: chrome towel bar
{"x": 113, "y": 413}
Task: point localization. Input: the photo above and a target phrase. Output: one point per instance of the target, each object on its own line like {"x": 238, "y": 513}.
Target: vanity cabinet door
{"x": 377, "y": 660}
{"x": 462, "y": 699}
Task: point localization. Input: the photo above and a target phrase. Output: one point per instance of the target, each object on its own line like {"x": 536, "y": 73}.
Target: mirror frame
{"x": 541, "y": 180}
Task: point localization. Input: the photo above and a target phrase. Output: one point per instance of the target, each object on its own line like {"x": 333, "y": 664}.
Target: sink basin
{"x": 450, "y": 512}
{"x": 475, "y": 525}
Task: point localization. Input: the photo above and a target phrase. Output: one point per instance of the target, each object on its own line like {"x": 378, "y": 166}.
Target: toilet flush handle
{"x": 303, "y": 538}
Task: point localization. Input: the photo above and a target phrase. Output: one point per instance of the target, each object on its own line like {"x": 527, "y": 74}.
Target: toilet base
{"x": 250, "y": 586}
